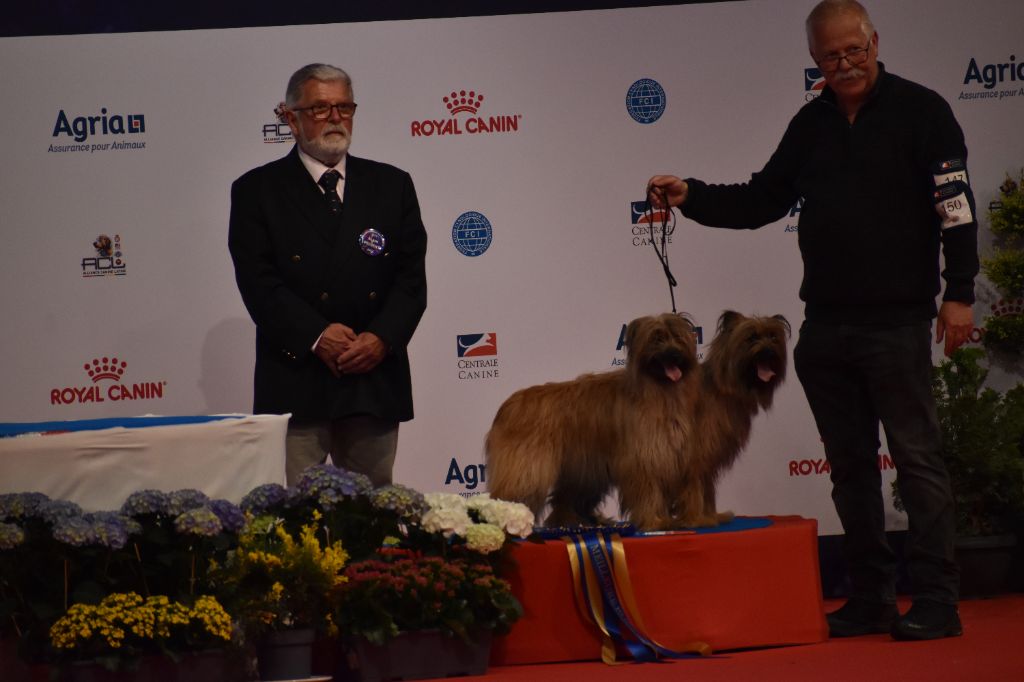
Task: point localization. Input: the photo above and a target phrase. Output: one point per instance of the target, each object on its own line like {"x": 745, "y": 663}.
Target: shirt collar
{"x": 316, "y": 169}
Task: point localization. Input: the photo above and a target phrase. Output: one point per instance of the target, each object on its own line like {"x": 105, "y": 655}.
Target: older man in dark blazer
{"x": 329, "y": 258}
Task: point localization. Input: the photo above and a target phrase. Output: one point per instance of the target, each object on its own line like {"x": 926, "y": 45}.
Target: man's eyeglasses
{"x": 322, "y": 111}
{"x": 853, "y": 58}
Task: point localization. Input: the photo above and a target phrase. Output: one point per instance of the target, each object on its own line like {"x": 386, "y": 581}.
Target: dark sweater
{"x": 869, "y": 232}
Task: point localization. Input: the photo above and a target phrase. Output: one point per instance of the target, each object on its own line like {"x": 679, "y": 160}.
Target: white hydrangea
{"x": 514, "y": 518}
{"x": 445, "y": 501}
{"x": 446, "y": 520}
{"x": 484, "y": 538}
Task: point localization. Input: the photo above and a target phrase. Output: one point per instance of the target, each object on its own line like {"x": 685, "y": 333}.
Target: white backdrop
{"x": 563, "y": 272}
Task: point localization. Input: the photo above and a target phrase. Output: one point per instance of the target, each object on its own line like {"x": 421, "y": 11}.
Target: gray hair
{"x": 830, "y": 9}
{"x": 319, "y": 72}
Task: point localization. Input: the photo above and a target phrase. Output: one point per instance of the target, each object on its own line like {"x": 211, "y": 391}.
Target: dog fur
{"x": 575, "y": 439}
{"x": 662, "y": 430}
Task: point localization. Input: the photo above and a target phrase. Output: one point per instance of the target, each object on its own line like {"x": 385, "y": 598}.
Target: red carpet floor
{"x": 990, "y": 650}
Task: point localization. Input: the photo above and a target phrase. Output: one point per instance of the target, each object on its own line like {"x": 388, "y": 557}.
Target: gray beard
{"x": 327, "y": 151}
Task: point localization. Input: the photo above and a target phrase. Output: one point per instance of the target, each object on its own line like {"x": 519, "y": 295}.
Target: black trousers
{"x": 856, "y": 377}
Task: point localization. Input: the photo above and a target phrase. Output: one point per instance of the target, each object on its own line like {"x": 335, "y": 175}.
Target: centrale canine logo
{"x": 478, "y": 355}
{"x": 465, "y": 102}
{"x": 107, "y": 369}
{"x": 472, "y": 233}
{"x": 475, "y": 345}
{"x": 646, "y": 221}
{"x": 646, "y": 101}
{"x": 814, "y": 83}
{"x": 81, "y": 128}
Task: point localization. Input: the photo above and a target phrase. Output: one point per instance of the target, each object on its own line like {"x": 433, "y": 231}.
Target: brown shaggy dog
{"x": 576, "y": 439}
{"x": 739, "y": 376}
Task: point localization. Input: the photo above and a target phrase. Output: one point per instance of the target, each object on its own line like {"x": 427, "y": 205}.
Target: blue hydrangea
{"x": 328, "y": 485}
{"x": 181, "y": 501}
{"x": 407, "y": 503}
{"x": 21, "y": 505}
{"x": 11, "y": 535}
{"x": 145, "y": 502}
{"x": 76, "y": 531}
{"x": 262, "y": 498}
{"x": 199, "y": 521}
{"x": 231, "y": 517}
{"x": 53, "y": 511}
{"x": 109, "y": 529}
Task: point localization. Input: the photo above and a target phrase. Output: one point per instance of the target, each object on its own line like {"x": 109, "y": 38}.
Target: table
{"x": 98, "y": 463}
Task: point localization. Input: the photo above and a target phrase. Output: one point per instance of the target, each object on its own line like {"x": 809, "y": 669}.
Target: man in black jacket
{"x": 880, "y": 163}
{"x": 329, "y": 258}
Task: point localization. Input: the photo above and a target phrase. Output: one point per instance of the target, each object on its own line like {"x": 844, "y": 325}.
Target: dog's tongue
{"x": 764, "y": 372}
{"x": 673, "y": 373}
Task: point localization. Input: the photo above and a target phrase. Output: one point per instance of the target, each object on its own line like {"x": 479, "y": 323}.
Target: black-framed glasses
{"x": 853, "y": 58}
{"x": 321, "y": 111}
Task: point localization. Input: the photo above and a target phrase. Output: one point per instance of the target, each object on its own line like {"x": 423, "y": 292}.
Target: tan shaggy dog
{"x": 662, "y": 430}
{"x": 568, "y": 443}
{"x": 739, "y": 376}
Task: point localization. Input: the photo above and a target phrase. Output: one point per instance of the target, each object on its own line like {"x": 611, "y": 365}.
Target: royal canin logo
{"x": 465, "y": 102}
{"x": 107, "y": 369}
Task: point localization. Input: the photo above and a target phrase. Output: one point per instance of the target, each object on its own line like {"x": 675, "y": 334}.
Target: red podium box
{"x": 730, "y": 590}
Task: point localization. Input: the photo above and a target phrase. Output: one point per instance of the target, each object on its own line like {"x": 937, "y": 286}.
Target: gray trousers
{"x": 363, "y": 444}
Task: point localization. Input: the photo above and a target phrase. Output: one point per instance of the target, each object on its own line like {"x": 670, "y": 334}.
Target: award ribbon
{"x": 604, "y": 596}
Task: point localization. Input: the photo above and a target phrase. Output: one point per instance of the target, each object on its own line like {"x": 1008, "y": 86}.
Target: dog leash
{"x": 662, "y": 253}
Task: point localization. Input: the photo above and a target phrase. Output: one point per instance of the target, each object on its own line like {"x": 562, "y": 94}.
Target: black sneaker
{"x": 928, "y": 619}
{"x": 861, "y": 617}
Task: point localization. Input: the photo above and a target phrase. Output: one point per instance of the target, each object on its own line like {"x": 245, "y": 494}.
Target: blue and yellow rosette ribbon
{"x": 604, "y": 596}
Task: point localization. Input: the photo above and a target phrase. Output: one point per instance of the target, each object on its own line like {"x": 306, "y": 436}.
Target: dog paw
{"x": 725, "y": 517}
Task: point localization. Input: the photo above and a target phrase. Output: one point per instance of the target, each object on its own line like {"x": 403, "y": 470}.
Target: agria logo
{"x": 646, "y": 101}
{"x": 997, "y": 80}
{"x": 81, "y": 128}
{"x": 814, "y": 83}
{"x": 468, "y": 103}
{"x": 100, "y": 371}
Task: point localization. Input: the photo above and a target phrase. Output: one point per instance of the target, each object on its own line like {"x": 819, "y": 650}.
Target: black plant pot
{"x": 985, "y": 564}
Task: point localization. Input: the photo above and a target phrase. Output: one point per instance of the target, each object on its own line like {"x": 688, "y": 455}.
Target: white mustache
{"x": 331, "y": 128}
{"x": 851, "y": 74}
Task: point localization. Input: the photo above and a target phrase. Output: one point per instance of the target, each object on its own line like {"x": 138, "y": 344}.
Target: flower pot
{"x": 286, "y": 655}
{"x": 985, "y": 563}
{"x": 200, "y": 666}
{"x": 418, "y": 655}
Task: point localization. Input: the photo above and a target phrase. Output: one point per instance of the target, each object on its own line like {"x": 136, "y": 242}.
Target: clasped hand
{"x": 345, "y": 352}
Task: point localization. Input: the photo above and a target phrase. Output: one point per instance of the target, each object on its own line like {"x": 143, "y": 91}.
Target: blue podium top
{"x": 18, "y": 429}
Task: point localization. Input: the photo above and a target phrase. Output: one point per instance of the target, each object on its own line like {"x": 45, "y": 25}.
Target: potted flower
{"x": 277, "y": 584}
{"x": 983, "y": 434}
{"x": 427, "y": 605}
{"x": 1004, "y": 328}
{"x": 127, "y": 633}
{"x": 53, "y": 555}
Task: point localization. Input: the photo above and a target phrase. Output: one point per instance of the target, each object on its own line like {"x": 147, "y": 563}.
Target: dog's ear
{"x": 728, "y": 320}
{"x": 785, "y": 323}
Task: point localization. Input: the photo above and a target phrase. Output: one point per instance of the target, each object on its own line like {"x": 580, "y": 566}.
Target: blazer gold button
{"x": 296, "y": 258}
{"x": 373, "y": 295}
{"x": 324, "y": 296}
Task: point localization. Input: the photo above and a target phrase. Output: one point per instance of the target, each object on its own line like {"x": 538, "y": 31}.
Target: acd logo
{"x": 81, "y": 127}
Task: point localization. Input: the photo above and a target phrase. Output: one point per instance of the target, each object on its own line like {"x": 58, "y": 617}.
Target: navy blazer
{"x": 298, "y": 270}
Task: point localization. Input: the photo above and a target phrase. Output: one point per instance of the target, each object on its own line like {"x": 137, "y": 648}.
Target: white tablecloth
{"x": 99, "y": 469}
